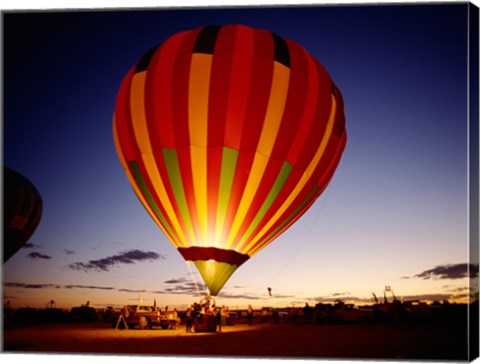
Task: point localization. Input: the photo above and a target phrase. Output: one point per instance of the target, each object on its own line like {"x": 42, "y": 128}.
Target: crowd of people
{"x": 206, "y": 315}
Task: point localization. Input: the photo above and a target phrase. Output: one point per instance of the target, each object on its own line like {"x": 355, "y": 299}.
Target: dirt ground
{"x": 397, "y": 342}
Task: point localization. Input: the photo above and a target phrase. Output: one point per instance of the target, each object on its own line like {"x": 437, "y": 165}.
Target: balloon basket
{"x": 206, "y": 323}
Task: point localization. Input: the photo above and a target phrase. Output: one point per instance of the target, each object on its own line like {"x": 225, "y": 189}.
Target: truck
{"x": 145, "y": 317}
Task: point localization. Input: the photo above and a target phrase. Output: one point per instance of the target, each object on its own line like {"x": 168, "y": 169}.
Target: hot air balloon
{"x": 22, "y": 211}
{"x": 227, "y": 134}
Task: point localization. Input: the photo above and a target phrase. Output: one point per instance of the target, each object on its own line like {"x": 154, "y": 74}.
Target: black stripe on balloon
{"x": 282, "y": 54}
{"x": 206, "y": 39}
{"x": 142, "y": 65}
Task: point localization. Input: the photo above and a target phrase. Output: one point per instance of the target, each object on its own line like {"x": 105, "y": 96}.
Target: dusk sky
{"x": 395, "y": 212}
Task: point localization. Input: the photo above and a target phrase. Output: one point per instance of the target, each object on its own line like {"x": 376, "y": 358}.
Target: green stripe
{"x": 229, "y": 164}
{"x": 214, "y": 274}
{"x": 272, "y": 195}
{"x": 286, "y": 221}
{"x": 135, "y": 170}
{"x": 173, "y": 169}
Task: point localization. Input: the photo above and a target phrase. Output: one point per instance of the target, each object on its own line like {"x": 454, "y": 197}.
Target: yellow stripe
{"x": 152, "y": 171}
{"x": 303, "y": 180}
{"x": 198, "y": 93}
{"x": 271, "y": 125}
{"x": 199, "y": 172}
{"x": 134, "y": 184}
{"x": 275, "y": 108}
{"x": 137, "y": 107}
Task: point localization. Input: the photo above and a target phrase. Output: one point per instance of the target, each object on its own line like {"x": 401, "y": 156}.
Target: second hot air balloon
{"x": 22, "y": 211}
{"x": 227, "y": 134}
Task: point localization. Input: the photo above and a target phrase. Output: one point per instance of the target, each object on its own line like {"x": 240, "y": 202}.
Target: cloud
{"x": 104, "y": 264}
{"x": 68, "y": 251}
{"x": 340, "y": 294}
{"x": 333, "y": 298}
{"x": 71, "y": 286}
{"x": 31, "y": 246}
{"x": 176, "y": 281}
{"x": 185, "y": 288}
{"x": 452, "y": 271}
{"x": 30, "y": 285}
{"x": 37, "y": 255}
{"x": 131, "y": 290}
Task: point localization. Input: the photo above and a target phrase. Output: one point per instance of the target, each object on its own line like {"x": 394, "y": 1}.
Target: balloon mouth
{"x": 214, "y": 265}
{"x": 228, "y": 256}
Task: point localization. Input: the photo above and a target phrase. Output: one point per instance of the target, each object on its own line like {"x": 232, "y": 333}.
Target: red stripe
{"x": 181, "y": 75}
{"x": 217, "y": 110}
{"x": 163, "y": 106}
{"x": 123, "y": 119}
{"x": 317, "y": 129}
{"x": 240, "y": 80}
{"x": 294, "y": 205}
{"x": 214, "y": 168}
{"x": 339, "y": 99}
{"x": 328, "y": 164}
{"x": 258, "y": 95}
{"x": 285, "y": 192}
{"x": 219, "y": 86}
{"x": 295, "y": 104}
{"x": 307, "y": 117}
{"x": 127, "y": 139}
{"x": 325, "y": 83}
{"x": 159, "y": 99}
{"x": 259, "y": 92}
{"x": 271, "y": 173}
{"x": 323, "y": 173}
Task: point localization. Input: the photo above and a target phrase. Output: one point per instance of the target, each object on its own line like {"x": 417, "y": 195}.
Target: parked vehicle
{"x": 145, "y": 317}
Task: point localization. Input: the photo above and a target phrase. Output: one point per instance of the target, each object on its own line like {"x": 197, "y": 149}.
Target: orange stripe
{"x": 140, "y": 129}
{"x": 137, "y": 107}
{"x": 198, "y": 92}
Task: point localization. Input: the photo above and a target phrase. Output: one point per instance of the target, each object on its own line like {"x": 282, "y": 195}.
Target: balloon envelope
{"x": 228, "y": 134}
{"x": 22, "y": 211}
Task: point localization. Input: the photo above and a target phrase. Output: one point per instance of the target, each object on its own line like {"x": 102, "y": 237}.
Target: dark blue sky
{"x": 401, "y": 186}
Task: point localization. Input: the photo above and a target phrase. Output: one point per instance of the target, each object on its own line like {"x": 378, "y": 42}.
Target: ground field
{"x": 397, "y": 342}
